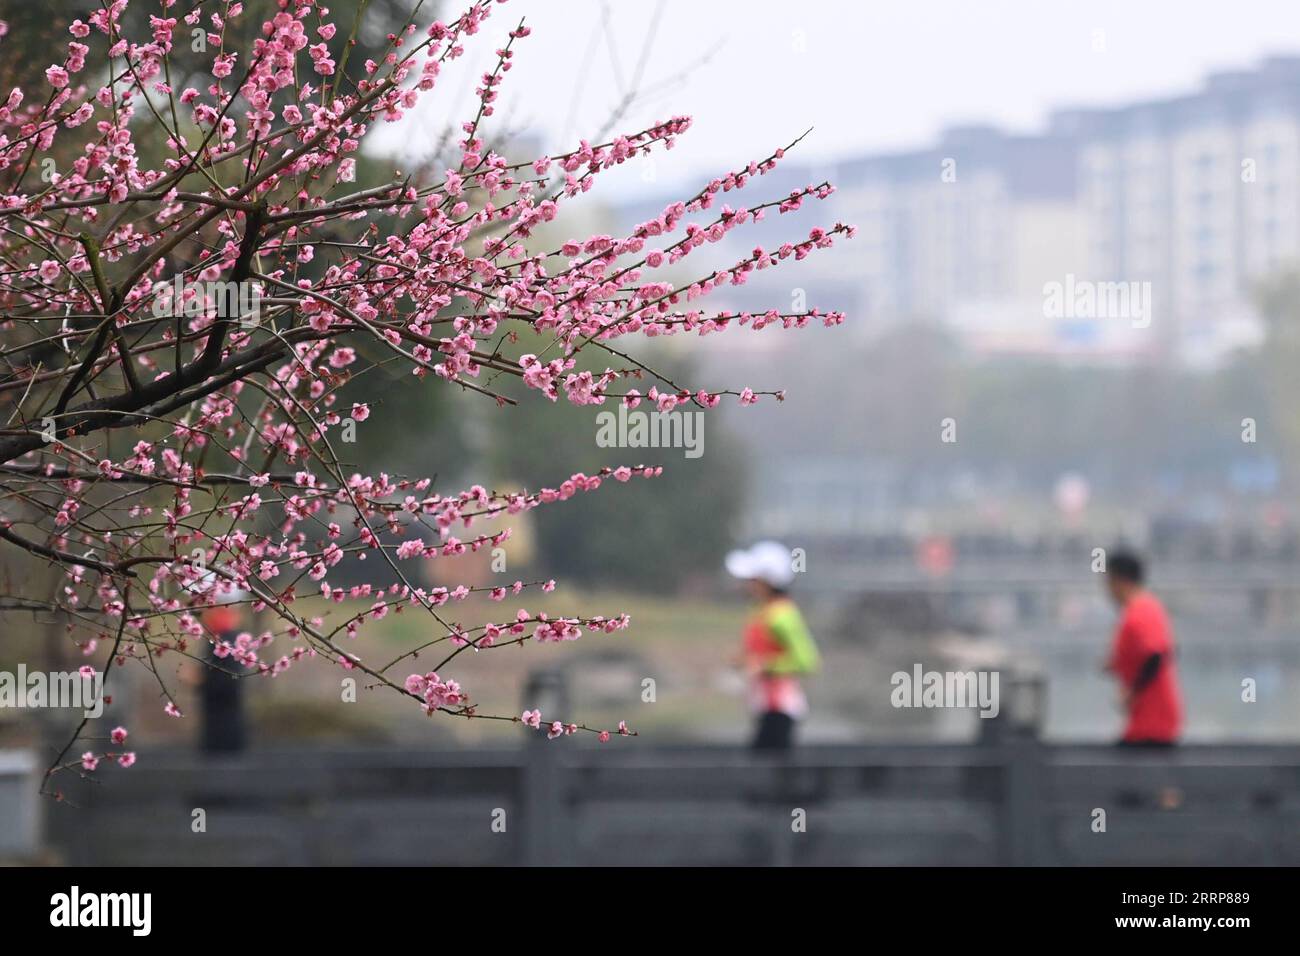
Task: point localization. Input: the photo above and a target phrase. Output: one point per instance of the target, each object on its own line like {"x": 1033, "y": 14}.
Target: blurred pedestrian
{"x": 1142, "y": 657}
{"x": 778, "y": 650}
{"x": 222, "y": 723}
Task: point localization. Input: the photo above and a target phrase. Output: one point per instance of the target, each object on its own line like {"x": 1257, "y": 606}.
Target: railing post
{"x": 20, "y": 809}
{"x": 545, "y": 817}
{"x": 1023, "y": 814}
{"x": 1015, "y": 735}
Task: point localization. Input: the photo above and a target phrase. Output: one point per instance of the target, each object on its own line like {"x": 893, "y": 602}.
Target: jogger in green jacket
{"x": 778, "y": 649}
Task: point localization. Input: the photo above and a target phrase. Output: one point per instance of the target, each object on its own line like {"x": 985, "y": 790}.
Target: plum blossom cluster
{"x": 169, "y": 461}
{"x": 558, "y": 728}
{"x": 89, "y": 761}
{"x": 435, "y": 693}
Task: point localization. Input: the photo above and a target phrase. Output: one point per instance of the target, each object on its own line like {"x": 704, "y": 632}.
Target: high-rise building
{"x": 1134, "y": 233}
{"x": 1199, "y": 196}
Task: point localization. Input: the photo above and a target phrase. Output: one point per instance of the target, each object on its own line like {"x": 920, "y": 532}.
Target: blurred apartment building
{"x": 1117, "y": 235}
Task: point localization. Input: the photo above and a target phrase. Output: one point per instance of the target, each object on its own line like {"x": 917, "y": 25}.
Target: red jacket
{"x": 1155, "y": 711}
{"x": 220, "y": 619}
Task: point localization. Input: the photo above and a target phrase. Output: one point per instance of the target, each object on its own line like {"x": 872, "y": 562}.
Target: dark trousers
{"x": 1157, "y": 744}
{"x": 775, "y": 731}
{"x": 222, "y": 728}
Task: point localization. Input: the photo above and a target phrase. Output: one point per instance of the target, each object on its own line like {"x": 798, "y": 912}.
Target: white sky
{"x": 869, "y": 75}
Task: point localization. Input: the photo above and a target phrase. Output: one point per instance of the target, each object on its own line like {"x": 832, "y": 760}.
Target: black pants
{"x": 775, "y": 731}
{"x": 222, "y": 727}
{"x": 1156, "y": 744}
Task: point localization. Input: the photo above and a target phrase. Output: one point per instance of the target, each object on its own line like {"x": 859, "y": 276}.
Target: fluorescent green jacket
{"x": 798, "y": 654}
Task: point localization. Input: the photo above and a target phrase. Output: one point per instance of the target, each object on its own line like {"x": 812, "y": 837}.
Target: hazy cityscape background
{"x": 1167, "y": 423}
{"x": 1072, "y": 321}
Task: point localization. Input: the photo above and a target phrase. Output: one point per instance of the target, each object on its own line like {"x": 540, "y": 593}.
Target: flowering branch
{"x": 215, "y": 305}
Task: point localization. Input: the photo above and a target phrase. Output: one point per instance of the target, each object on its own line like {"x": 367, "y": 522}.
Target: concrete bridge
{"x": 1009, "y": 799}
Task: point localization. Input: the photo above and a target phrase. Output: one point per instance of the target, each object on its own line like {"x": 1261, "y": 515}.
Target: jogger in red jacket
{"x": 1142, "y": 657}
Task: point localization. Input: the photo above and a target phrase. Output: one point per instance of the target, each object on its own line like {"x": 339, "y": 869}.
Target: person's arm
{"x": 1147, "y": 672}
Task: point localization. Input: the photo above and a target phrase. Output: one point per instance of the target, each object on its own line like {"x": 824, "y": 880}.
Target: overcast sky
{"x": 869, "y": 75}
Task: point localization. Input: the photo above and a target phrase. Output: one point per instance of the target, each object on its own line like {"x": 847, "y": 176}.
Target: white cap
{"x": 767, "y": 561}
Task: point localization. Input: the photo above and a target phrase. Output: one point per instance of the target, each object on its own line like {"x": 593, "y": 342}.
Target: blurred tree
{"x": 658, "y": 533}
{"x": 44, "y": 26}
{"x": 1021, "y": 422}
